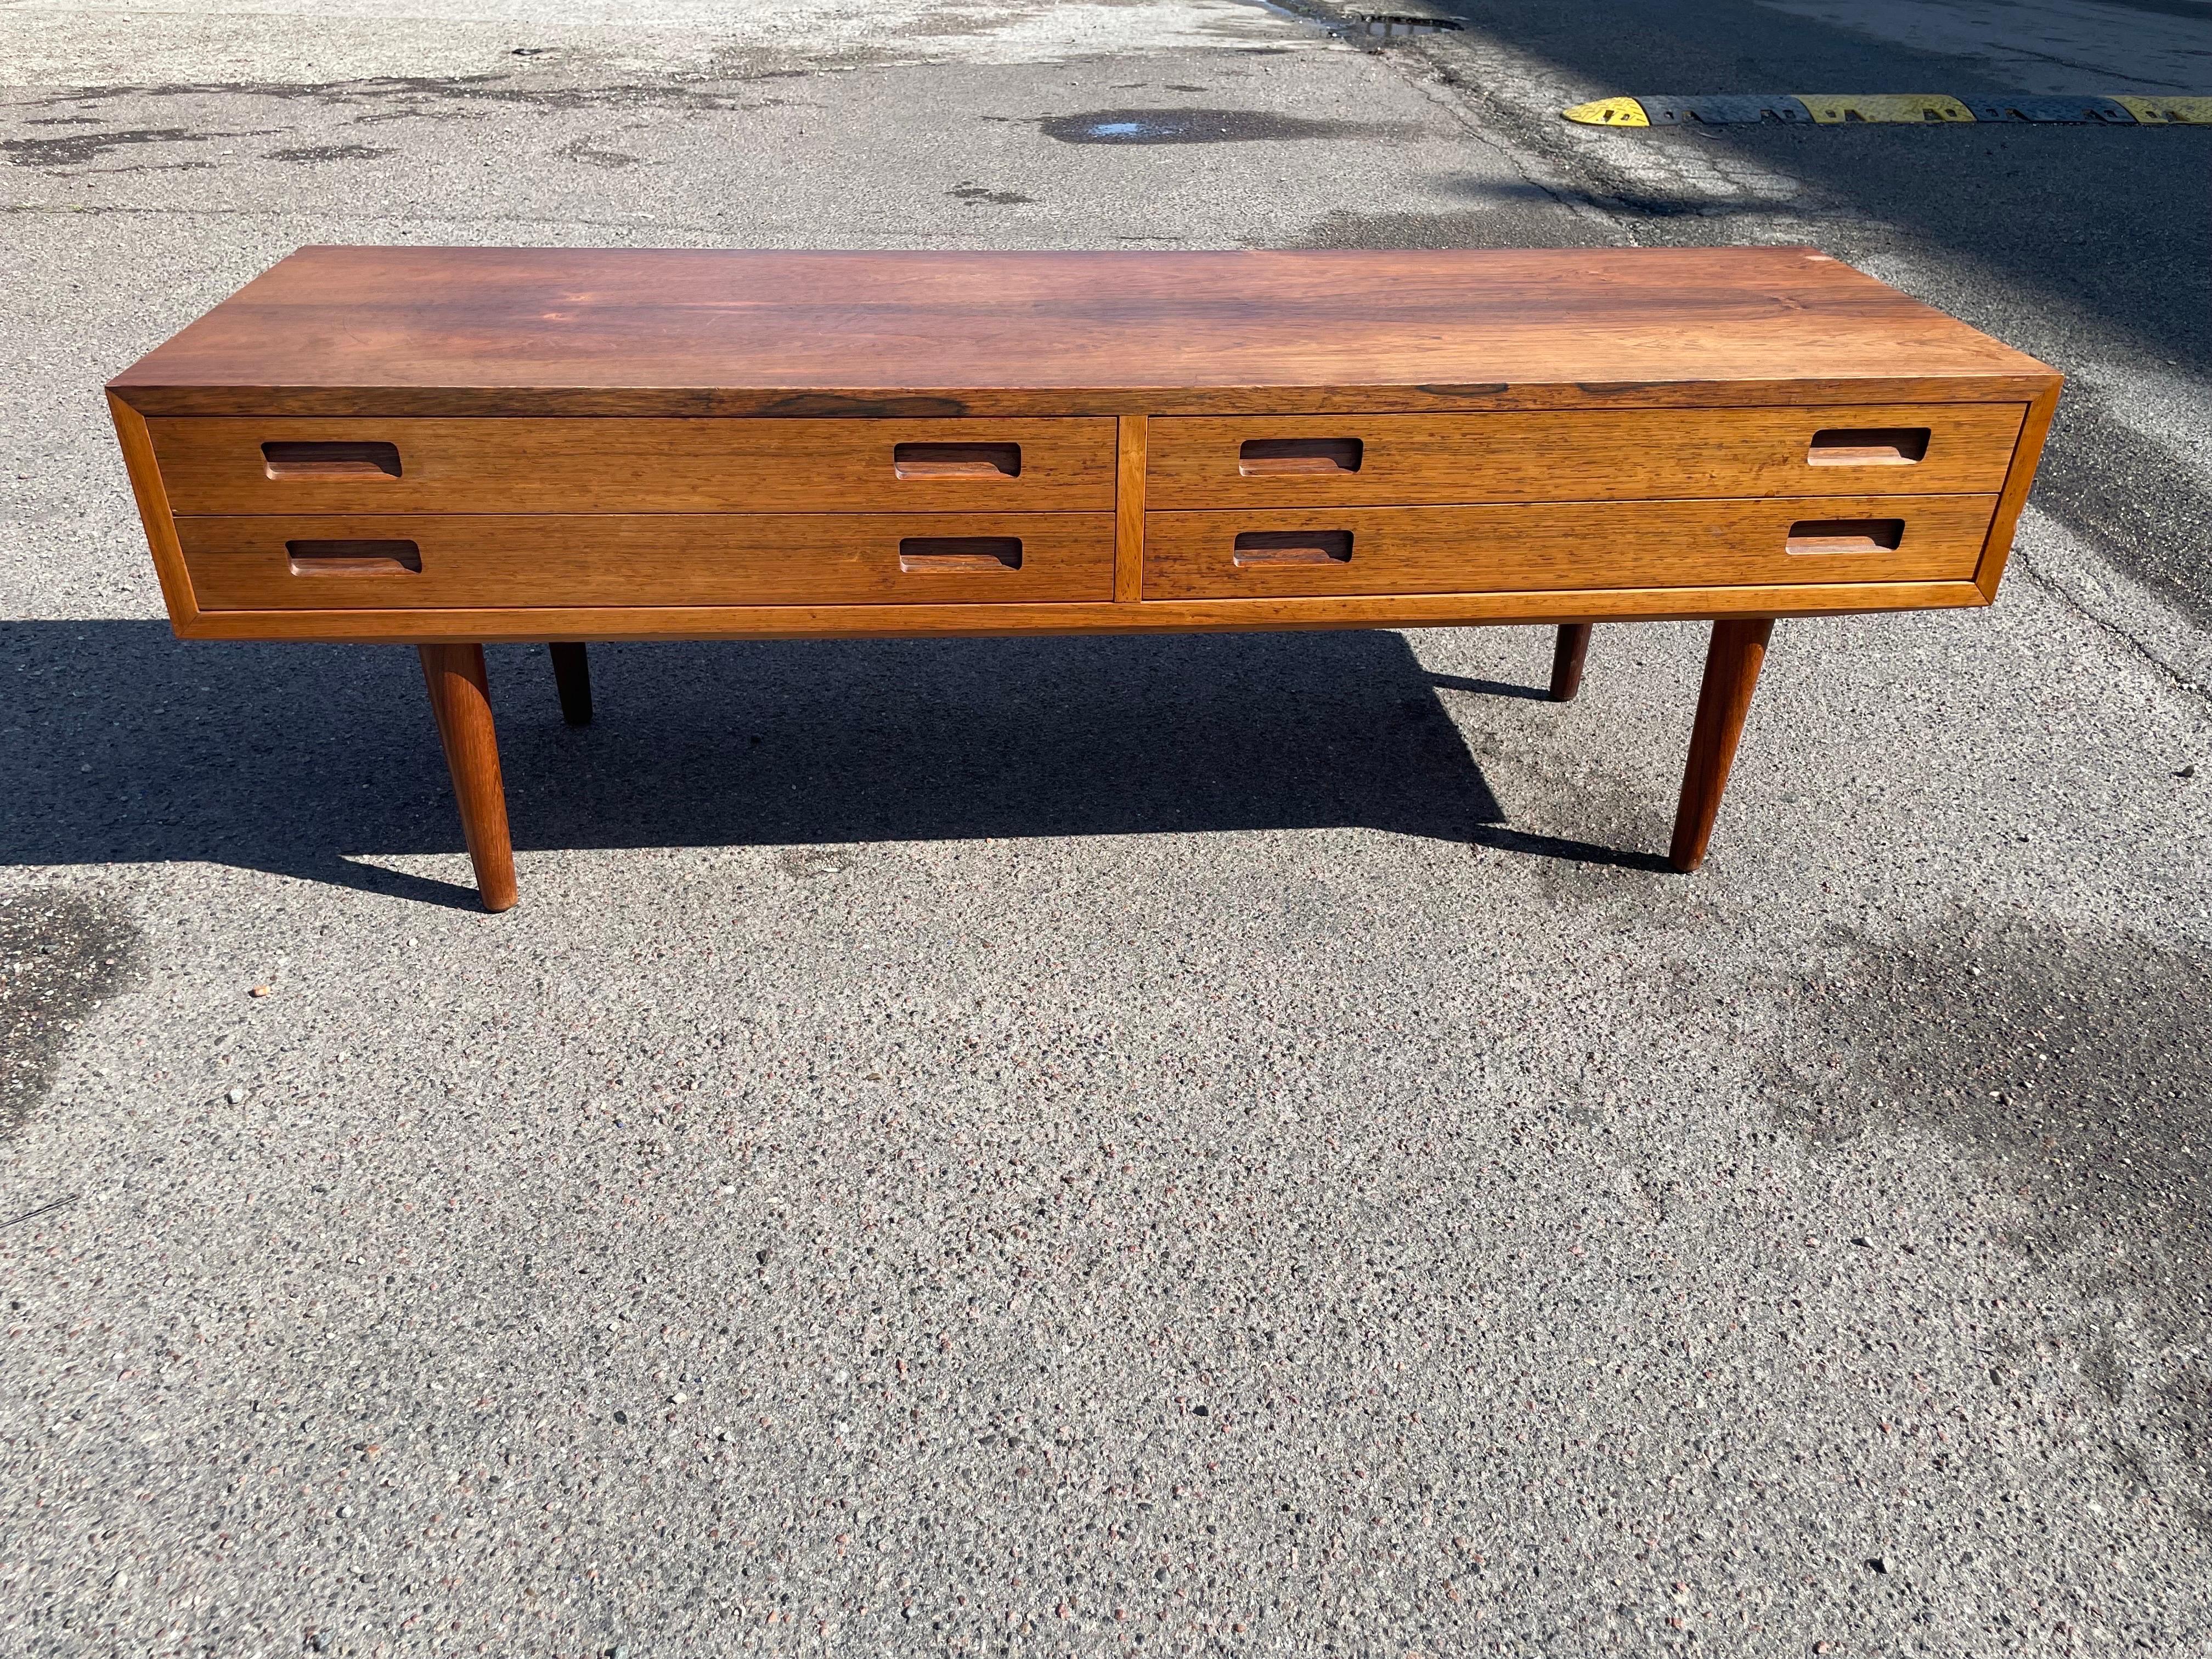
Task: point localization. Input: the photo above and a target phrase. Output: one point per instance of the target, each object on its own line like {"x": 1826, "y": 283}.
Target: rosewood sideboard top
{"x": 450, "y": 445}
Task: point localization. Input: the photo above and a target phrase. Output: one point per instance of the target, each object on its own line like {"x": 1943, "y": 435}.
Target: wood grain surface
{"x": 460, "y": 702}
{"x": 1570, "y": 650}
{"x": 1129, "y": 510}
{"x": 1582, "y": 545}
{"x": 1733, "y": 659}
{"x": 391, "y": 332}
{"x": 1405, "y": 460}
{"x": 217, "y": 465}
{"x": 154, "y": 513}
{"x": 978, "y": 621}
{"x": 1998, "y": 548}
{"x": 661, "y": 559}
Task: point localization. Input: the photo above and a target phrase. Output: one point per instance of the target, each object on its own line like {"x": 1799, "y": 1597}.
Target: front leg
{"x": 1732, "y": 664}
{"x": 462, "y": 702}
{"x": 1568, "y": 651}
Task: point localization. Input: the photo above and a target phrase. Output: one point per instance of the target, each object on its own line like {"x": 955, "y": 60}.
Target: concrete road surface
{"x": 1217, "y": 1145}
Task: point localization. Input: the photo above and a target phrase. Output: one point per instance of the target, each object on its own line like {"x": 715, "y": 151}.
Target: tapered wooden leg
{"x": 1732, "y": 664}
{"x": 462, "y": 704}
{"x": 1567, "y": 654}
{"x": 572, "y": 678}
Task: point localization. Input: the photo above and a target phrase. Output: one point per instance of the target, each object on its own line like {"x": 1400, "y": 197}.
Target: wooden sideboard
{"x": 444, "y": 447}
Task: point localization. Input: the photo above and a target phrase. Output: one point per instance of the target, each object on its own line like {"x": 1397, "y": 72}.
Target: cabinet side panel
{"x": 1998, "y": 548}
{"x": 154, "y": 513}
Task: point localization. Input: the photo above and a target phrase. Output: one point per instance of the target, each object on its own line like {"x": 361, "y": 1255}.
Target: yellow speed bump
{"x": 1888, "y": 106}
{"x": 1609, "y": 113}
{"x": 1836, "y": 109}
{"x": 2150, "y": 111}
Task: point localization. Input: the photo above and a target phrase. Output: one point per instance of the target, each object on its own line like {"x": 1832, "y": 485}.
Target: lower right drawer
{"x": 1226, "y": 553}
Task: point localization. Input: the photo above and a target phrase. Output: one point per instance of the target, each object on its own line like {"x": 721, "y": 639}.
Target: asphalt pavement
{"x": 1227, "y": 1144}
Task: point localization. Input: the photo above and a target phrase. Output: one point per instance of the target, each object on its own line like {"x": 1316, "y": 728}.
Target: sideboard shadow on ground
{"x": 128, "y": 746}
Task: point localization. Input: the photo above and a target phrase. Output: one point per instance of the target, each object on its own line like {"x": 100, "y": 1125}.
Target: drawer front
{"x": 1584, "y": 544}
{"x": 388, "y": 562}
{"x": 1386, "y": 460}
{"x": 232, "y": 464}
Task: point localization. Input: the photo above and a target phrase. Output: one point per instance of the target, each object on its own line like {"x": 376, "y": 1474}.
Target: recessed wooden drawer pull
{"x": 1257, "y": 548}
{"x": 353, "y": 558}
{"x": 1299, "y": 458}
{"x": 1886, "y": 445}
{"x": 1846, "y": 535}
{"x": 923, "y": 554}
{"x": 332, "y": 460}
{"x": 956, "y": 460}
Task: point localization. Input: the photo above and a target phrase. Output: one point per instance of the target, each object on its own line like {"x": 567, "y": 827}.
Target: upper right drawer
{"x": 1595, "y": 455}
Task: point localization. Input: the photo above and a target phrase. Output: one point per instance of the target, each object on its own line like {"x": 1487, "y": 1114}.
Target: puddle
{"x": 1198, "y": 126}
{"x": 1382, "y": 26}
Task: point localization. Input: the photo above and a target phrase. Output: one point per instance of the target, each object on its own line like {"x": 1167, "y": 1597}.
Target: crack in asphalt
{"x": 2025, "y": 563}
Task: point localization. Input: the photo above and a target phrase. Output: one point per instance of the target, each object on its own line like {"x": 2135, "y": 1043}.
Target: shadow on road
{"x": 125, "y": 745}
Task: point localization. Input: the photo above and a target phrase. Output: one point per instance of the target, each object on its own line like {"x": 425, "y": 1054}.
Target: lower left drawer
{"x": 400, "y": 562}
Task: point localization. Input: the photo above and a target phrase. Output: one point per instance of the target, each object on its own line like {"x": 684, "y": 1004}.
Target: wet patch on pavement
{"x": 594, "y": 155}
{"x": 2076, "y": 1068}
{"x": 424, "y": 94}
{"x": 1396, "y": 25}
{"x": 330, "y": 153}
{"x": 976, "y": 195}
{"x": 76, "y": 149}
{"x": 2073, "y": 1072}
{"x": 1511, "y": 224}
{"x": 1594, "y": 841}
{"x": 60, "y": 954}
{"x": 1200, "y": 126}
{"x": 815, "y": 863}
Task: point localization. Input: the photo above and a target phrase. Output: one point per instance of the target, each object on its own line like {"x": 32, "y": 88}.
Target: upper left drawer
{"x": 235, "y": 464}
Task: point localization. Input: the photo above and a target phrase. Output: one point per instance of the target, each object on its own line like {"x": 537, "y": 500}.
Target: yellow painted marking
{"x": 2158, "y": 112}
{"x": 1609, "y": 113}
{"x": 1914, "y": 106}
